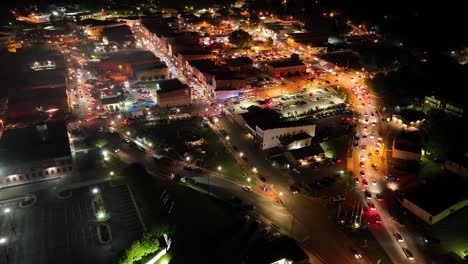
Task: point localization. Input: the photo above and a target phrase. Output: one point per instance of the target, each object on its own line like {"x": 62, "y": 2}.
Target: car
{"x": 374, "y": 167}
{"x": 362, "y": 173}
{"x": 379, "y": 196}
{"x": 126, "y": 140}
{"x": 368, "y": 194}
{"x": 267, "y": 230}
{"x": 116, "y": 150}
{"x": 190, "y": 180}
{"x": 294, "y": 189}
{"x": 374, "y": 181}
{"x": 364, "y": 182}
{"x": 398, "y": 237}
{"x": 363, "y": 147}
{"x": 261, "y": 177}
{"x": 356, "y": 254}
{"x": 408, "y": 253}
{"x": 188, "y": 168}
{"x": 371, "y": 206}
{"x": 244, "y": 158}
{"x": 377, "y": 219}
{"x": 356, "y": 180}
{"x": 247, "y": 188}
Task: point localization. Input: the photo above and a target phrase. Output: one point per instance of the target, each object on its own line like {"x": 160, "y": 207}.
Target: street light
{"x": 3, "y": 240}
{"x": 128, "y": 133}
{"x": 281, "y": 193}
{"x": 6, "y": 210}
{"x": 111, "y": 173}
{"x": 219, "y": 168}
{"x": 101, "y": 215}
{"x": 241, "y": 154}
{"x": 95, "y": 190}
{"x": 187, "y": 158}
{"x": 227, "y": 137}
{"x": 249, "y": 179}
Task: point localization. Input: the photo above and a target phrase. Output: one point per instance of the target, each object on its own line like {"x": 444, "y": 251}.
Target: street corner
{"x": 267, "y": 191}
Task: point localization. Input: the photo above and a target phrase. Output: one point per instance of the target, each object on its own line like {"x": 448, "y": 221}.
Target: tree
{"x": 240, "y": 38}
{"x": 269, "y": 41}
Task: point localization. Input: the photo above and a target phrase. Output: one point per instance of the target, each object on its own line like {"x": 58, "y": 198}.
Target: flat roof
{"x": 131, "y": 56}
{"x": 193, "y": 51}
{"x": 285, "y": 63}
{"x": 411, "y": 115}
{"x": 38, "y": 95}
{"x": 95, "y": 22}
{"x": 46, "y": 77}
{"x": 438, "y": 194}
{"x": 408, "y": 141}
{"x": 119, "y": 33}
{"x": 149, "y": 66}
{"x": 112, "y": 100}
{"x": 269, "y": 119}
{"x": 204, "y": 66}
{"x": 23, "y": 145}
{"x": 166, "y": 86}
{"x": 307, "y": 152}
{"x": 239, "y": 61}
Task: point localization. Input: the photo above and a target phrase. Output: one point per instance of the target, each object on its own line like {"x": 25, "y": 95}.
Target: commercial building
{"x": 283, "y": 68}
{"x": 409, "y": 118}
{"x": 437, "y": 198}
{"x": 202, "y": 70}
{"x": 172, "y": 93}
{"x": 120, "y": 35}
{"x": 267, "y": 129}
{"x": 407, "y": 146}
{"x": 227, "y": 84}
{"x": 34, "y": 153}
{"x": 37, "y": 102}
{"x": 187, "y": 54}
{"x": 131, "y": 62}
{"x": 449, "y": 107}
{"x": 93, "y": 27}
{"x": 113, "y": 103}
{"x": 150, "y": 72}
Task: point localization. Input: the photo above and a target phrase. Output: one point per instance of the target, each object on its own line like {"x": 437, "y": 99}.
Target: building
{"x": 226, "y": 84}
{"x": 296, "y": 141}
{"x": 449, "y": 107}
{"x": 34, "y": 153}
{"x": 37, "y": 102}
{"x": 305, "y": 155}
{"x": 125, "y": 61}
{"x": 267, "y": 129}
{"x": 239, "y": 64}
{"x": 437, "y": 198}
{"x": 121, "y": 35}
{"x": 187, "y": 54}
{"x": 113, "y": 103}
{"x": 283, "y": 68}
{"x": 93, "y": 27}
{"x": 150, "y": 72}
{"x": 407, "y": 146}
{"x": 172, "y": 93}
{"x": 202, "y": 70}
{"x": 409, "y": 118}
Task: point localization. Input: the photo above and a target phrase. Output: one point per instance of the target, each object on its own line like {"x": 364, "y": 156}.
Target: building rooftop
{"x": 193, "y": 51}
{"x": 307, "y": 152}
{"x": 292, "y": 138}
{"x": 229, "y": 75}
{"x": 131, "y": 56}
{"x": 166, "y": 86}
{"x": 94, "y": 22}
{"x": 204, "y": 66}
{"x": 46, "y": 78}
{"x": 112, "y": 99}
{"x": 436, "y": 195}
{"x": 148, "y": 66}
{"x": 285, "y": 63}
{"x": 269, "y": 119}
{"x": 118, "y": 34}
{"x": 239, "y": 61}
{"x": 408, "y": 141}
{"x": 27, "y": 144}
{"x": 411, "y": 115}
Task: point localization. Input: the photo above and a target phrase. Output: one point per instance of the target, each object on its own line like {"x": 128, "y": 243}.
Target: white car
{"x": 247, "y": 188}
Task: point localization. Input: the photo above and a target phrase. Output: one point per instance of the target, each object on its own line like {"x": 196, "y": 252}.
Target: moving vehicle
{"x": 408, "y": 253}
{"x": 247, "y": 188}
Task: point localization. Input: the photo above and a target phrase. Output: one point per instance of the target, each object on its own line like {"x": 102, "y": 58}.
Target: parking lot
{"x": 64, "y": 230}
{"x": 294, "y": 105}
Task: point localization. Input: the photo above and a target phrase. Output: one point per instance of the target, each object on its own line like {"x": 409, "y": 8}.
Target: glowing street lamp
{"x": 6, "y": 210}
{"x": 101, "y": 215}
{"x": 111, "y": 173}
{"x": 220, "y": 168}
{"x": 227, "y": 137}
{"x": 3, "y": 240}
{"x": 281, "y": 193}
{"x": 95, "y": 190}
{"x": 187, "y": 158}
{"x": 241, "y": 154}
{"x": 249, "y": 179}
{"x": 128, "y": 133}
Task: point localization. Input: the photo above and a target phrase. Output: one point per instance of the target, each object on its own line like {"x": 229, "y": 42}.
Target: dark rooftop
{"x": 408, "y": 141}
{"x": 118, "y": 34}
{"x": 411, "y": 115}
{"x": 132, "y": 56}
{"x": 204, "y": 66}
{"x": 166, "y": 86}
{"x": 148, "y": 66}
{"x": 307, "y": 152}
{"x": 112, "y": 100}
{"x": 193, "y": 51}
{"x": 95, "y": 22}
{"x": 45, "y": 78}
{"x": 26, "y": 145}
{"x": 38, "y": 96}
{"x": 438, "y": 194}
{"x": 268, "y": 119}
{"x": 292, "y": 138}
{"x": 285, "y": 63}
{"x": 239, "y": 61}
{"x": 229, "y": 75}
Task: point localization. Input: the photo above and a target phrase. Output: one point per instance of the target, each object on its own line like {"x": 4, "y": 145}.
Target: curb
{"x": 27, "y": 198}
{"x": 99, "y": 233}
